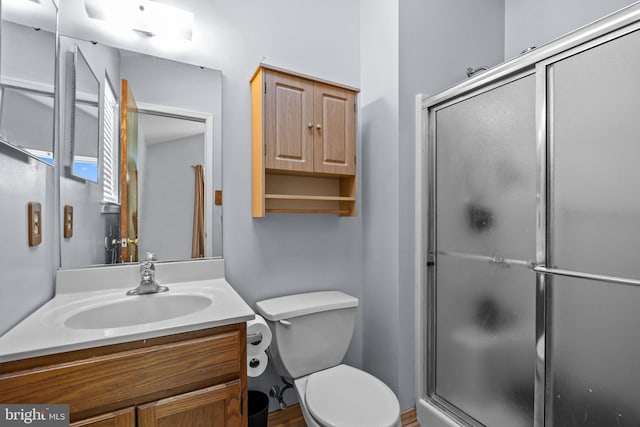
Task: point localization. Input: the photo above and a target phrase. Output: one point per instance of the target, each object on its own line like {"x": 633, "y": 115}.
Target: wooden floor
{"x": 408, "y": 418}
{"x": 292, "y": 417}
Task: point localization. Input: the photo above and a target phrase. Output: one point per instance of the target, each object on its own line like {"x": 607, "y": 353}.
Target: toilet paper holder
{"x": 254, "y": 338}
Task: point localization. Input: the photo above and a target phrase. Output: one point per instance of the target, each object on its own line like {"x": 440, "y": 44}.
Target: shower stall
{"x": 528, "y": 238}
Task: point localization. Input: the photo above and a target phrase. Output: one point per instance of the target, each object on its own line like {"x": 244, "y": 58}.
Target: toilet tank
{"x": 311, "y": 331}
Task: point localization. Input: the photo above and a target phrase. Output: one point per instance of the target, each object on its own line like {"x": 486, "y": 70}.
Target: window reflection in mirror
{"x": 27, "y": 74}
{"x": 86, "y": 126}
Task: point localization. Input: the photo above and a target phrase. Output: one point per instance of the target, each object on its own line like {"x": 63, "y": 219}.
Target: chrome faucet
{"x": 148, "y": 284}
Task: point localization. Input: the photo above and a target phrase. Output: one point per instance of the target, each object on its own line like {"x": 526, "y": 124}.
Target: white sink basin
{"x": 91, "y": 308}
{"x": 137, "y": 310}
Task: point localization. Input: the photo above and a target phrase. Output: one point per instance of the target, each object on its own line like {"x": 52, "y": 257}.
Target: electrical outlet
{"x": 34, "y": 222}
{"x": 68, "y": 222}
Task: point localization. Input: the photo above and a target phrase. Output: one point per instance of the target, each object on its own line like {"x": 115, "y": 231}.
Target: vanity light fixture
{"x": 144, "y": 16}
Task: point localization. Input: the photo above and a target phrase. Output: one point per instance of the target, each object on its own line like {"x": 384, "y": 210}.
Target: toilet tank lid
{"x": 289, "y": 306}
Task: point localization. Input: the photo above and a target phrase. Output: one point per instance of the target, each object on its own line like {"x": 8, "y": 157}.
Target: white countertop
{"x": 46, "y": 331}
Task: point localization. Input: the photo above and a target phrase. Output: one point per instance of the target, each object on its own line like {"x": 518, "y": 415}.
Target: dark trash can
{"x": 258, "y": 408}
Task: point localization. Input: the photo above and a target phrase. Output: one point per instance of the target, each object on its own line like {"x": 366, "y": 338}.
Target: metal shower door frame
{"x": 428, "y": 129}
{"x": 539, "y": 62}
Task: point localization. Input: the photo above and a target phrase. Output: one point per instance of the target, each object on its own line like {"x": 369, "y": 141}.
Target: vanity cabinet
{"x": 303, "y": 144}
{"x": 218, "y": 404}
{"x": 193, "y": 378}
{"x": 123, "y": 418}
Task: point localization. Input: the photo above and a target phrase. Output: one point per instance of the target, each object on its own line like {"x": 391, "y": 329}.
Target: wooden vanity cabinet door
{"x": 217, "y": 406}
{"x": 288, "y": 109}
{"x": 123, "y": 418}
{"x": 334, "y": 139}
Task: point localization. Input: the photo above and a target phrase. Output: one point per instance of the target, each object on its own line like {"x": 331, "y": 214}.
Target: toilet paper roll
{"x": 258, "y": 326}
{"x": 256, "y": 364}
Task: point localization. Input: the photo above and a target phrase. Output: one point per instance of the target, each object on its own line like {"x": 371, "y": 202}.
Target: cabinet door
{"x": 288, "y": 122}
{"x": 217, "y": 406}
{"x": 123, "y": 418}
{"x": 334, "y": 139}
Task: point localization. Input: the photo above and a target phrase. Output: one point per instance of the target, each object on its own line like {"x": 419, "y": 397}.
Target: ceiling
{"x": 158, "y": 129}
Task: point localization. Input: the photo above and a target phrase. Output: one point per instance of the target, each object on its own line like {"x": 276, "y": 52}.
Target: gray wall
{"x": 278, "y": 254}
{"x": 408, "y": 35}
{"x": 167, "y": 195}
{"x": 26, "y": 273}
{"x": 379, "y": 185}
{"x": 26, "y": 54}
{"x": 282, "y": 254}
{"x": 536, "y": 22}
{"x": 474, "y": 37}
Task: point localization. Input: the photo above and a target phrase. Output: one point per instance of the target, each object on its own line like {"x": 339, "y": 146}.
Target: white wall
{"x": 536, "y": 22}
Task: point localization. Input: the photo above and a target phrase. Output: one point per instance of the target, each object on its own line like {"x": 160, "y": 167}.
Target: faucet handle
{"x": 150, "y": 256}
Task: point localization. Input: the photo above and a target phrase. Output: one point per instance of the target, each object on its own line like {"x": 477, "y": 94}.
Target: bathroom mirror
{"x": 84, "y": 118}
{"x": 173, "y": 126}
{"x": 27, "y": 77}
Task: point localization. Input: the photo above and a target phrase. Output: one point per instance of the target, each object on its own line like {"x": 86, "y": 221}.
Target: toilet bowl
{"x": 346, "y": 396}
{"x": 311, "y": 334}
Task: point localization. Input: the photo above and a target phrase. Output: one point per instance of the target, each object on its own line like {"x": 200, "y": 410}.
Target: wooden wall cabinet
{"x": 303, "y": 144}
{"x": 195, "y": 378}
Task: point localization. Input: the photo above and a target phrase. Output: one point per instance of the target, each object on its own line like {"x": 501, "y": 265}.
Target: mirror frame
{"x": 78, "y": 56}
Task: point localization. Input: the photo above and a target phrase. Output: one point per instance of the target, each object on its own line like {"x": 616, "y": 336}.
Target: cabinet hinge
{"x": 265, "y": 149}
{"x": 265, "y": 87}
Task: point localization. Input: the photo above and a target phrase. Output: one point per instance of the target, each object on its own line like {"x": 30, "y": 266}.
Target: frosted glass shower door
{"x": 485, "y": 160}
{"x": 593, "y": 340}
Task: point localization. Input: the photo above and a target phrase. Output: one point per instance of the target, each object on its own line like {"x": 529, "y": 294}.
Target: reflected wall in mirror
{"x": 86, "y": 127}
{"x": 164, "y": 220}
{"x": 27, "y": 74}
{"x": 172, "y": 149}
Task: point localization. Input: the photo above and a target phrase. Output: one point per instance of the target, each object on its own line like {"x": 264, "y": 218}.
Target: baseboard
{"x": 292, "y": 417}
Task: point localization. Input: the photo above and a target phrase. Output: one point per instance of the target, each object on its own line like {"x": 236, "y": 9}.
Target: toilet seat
{"x": 345, "y": 396}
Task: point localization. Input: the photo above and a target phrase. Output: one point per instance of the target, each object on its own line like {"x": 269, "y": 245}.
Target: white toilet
{"x": 311, "y": 334}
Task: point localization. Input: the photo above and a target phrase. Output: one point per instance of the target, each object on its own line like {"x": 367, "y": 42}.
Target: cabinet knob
{"x": 310, "y": 125}
{"x": 318, "y": 126}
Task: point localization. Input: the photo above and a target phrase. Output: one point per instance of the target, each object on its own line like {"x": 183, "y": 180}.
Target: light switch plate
{"x": 34, "y": 222}
{"x": 68, "y": 222}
